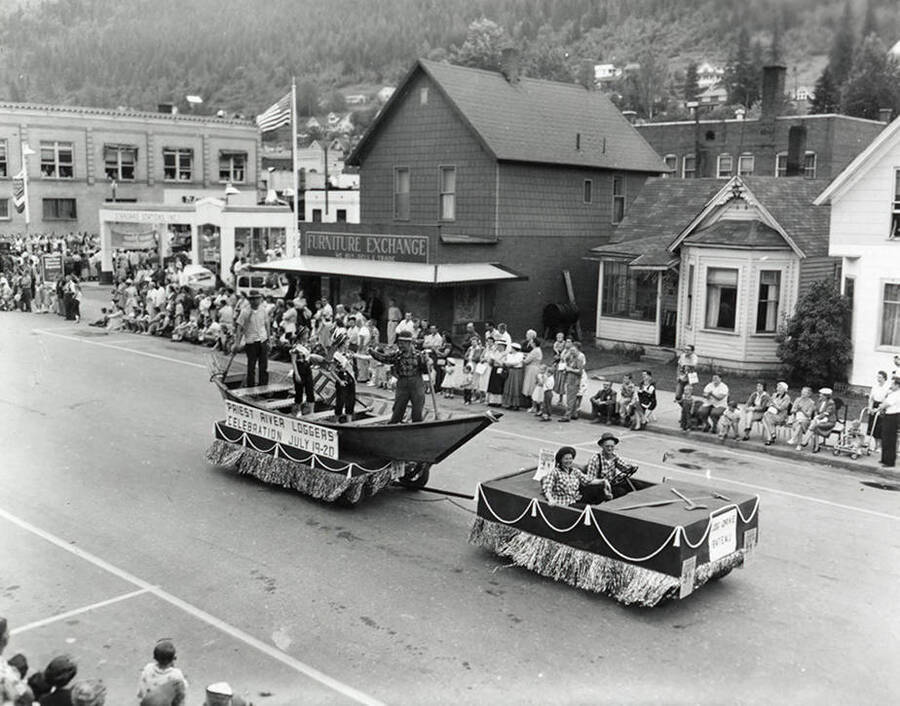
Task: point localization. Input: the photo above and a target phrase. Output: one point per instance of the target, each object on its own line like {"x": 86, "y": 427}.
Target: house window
{"x": 4, "y": 164}
{"x": 341, "y": 215}
{"x": 618, "y": 198}
{"x": 724, "y": 166}
{"x": 232, "y": 167}
{"x": 895, "y": 211}
{"x": 59, "y": 210}
{"x": 721, "y": 298}
{"x": 671, "y": 161}
{"x": 628, "y": 294}
{"x": 423, "y": 95}
{"x": 588, "y": 190}
{"x": 745, "y": 165}
{"x": 689, "y": 166}
{"x": 57, "y": 161}
{"x": 781, "y": 164}
{"x": 767, "y": 305}
{"x": 178, "y": 163}
{"x": 4, "y": 209}
{"x": 690, "y": 297}
{"x": 119, "y": 162}
{"x": 317, "y": 215}
{"x": 448, "y": 193}
{"x": 401, "y": 193}
{"x": 809, "y": 165}
{"x": 890, "y": 316}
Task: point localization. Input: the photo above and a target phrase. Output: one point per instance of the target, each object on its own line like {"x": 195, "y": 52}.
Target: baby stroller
{"x": 853, "y": 439}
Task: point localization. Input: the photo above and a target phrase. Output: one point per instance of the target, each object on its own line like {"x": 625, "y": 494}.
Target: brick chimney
{"x": 509, "y": 63}
{"x": 772, "y": 91}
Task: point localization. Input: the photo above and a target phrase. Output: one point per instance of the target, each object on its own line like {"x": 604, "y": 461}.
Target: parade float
{"x": 264, "y": 436}
{"x": 660, "y": 541}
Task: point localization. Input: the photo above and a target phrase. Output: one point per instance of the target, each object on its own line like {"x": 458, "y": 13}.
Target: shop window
{"x": 781, "y": 164}
{"x": 618, "y": 198}
{"x": 341, "y": 215}
{"x": 178, "y": 163}
{"x": 671, "y": 161}
{"x": 746, "y": 163}
{"x": 809, "y": 165}
{"x": 119, "y": 162}
{"x": 401, "y": 193}
{"x": 689, "y": 166}
{"x": 232, "y": 167}
{"x": 721, "y": 298}
{"x": 628, "y": 294}
{"x": 4, "y": 163}
{"x": 57, "y": 160}
{"x": 317, "y": 215}
{"x": 769, "y": 297}
{"x": 890, "y": 315}
{"x": 448, "y": 193}
{"x": 4, "y": 209}
{"x": 588, "y": 191}
{"x": 724, "y": 166}
{"x": 895, "y": 208}
{"x": 60, "y": 210}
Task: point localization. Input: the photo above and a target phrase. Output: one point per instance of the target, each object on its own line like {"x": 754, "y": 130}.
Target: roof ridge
{"x": 94, "y": 110}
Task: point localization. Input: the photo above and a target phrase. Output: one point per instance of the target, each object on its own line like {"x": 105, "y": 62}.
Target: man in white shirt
{"x": 407, "y": 325}
{"x": 253, "y": 327}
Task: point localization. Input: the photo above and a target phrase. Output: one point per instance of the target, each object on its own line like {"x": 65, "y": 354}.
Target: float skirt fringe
{"x": 319, "y": 483}
{"x": 627, "y": 583}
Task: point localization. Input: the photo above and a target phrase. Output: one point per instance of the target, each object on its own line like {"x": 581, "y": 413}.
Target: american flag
{"x": 19, "y": 191}
{"x": 277, "y": 115}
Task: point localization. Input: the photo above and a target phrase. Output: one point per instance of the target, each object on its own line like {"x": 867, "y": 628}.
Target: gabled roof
{"x": 531, "y": 120}
{"x": 885, "y": 140}
{"x": 668, "y": 212}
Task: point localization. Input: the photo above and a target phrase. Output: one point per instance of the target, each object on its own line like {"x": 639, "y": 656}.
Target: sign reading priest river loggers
{"x": 367, "y": 246}
{"x": 296, "y": 433}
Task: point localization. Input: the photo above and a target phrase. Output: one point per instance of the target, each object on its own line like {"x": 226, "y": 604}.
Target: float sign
{"x": 296, "y": 433}
{"x": 723, "y": 534}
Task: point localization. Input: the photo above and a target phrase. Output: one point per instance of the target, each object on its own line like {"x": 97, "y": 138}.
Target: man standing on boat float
{"x": 408, "y": 366}
{"x": 253, "y": 327}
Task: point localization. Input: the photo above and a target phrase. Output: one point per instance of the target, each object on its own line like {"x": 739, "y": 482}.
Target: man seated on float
{"x": 567, "y": 484}
{"x": 609, "y": 467}
{"x": 408, "y": 366}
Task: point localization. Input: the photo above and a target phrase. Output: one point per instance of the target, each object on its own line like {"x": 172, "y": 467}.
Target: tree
{"x": 543, "y": 60}
{"x": 873, "y": 82}
{"x": 826, "y": 96}
{"x": 484, "y": 41}
{"x": 840, "y": 58}
{"x": 307, "y": 98}
{"x": 742, "y": 72}
{"x": 691, "y": 82}
{"x": 813, "y": 345}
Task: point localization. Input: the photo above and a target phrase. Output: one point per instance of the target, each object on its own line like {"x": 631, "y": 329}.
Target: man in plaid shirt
{"x": 610, "y": 468}
{"x": 407, "y": 365}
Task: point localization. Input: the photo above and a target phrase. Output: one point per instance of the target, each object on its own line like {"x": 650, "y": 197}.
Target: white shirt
{"x": 891, "y": 404}
{"x": 406, "y": 325}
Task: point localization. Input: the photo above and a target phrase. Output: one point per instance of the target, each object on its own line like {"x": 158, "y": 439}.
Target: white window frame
{"x": 618, "y": 196}
{"x": 56, "y": 163}
{"x": 446, "y": 197}
{"x": 778, "y": 301}
{"x": 116, "y": 171}
{"x": 781, "y": 164}
{"x": 707, "y": 301}
{"x": 809, "y": 172}
{"x": 741, "y": 160}
{"x": 885, "y": 283}
{"x": 8, "y": 215}
{"x": 894, "y": 233}
{"x": 234, "y": 174}
{"x": 684, "y": 170}
{"x": 180, "y": 155}
{"x": 719, "y": 160}
{"x": 402, "y": 198}
{"x": 671, "y": 161}
{"x": 56, "y": 200}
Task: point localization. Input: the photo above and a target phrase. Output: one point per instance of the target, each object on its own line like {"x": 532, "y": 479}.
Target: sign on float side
{"x": 296, "y": 433}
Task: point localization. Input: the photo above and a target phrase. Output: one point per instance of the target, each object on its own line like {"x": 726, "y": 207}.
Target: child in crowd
{"x": 548, "y": 386}
{"x": 115, "y": 320}
{"x": 467, "y": 384}
{"x": 690, "y": 408}
{"x": 537, "y": 395}
{"x": 730, "y": 421}
{"x": 104, "y": 318}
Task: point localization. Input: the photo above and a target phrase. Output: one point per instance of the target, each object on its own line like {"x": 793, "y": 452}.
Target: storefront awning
{"x": 435, "y": 275}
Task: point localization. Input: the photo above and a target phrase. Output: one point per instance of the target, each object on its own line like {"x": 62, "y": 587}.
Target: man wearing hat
{"x": 604, "y": 403}
{"x": 823, "y": 420}
{"x": 610, "y": 467}
{"x": 253, "y": 327}
{"x": 13, "y": 689}
{"x": 408, "y": 366}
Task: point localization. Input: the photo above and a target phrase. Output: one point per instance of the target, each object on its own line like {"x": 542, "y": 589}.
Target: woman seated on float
{"x": 567, "y": 484}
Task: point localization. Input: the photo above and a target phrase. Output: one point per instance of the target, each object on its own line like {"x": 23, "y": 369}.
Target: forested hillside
{"x": 240, "y": 55}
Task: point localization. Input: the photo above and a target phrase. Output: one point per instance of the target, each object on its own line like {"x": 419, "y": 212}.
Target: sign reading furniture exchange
{"x": 367, "y": 246}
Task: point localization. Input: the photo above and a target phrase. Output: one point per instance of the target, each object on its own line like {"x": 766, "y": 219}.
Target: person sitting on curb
{"x": 161, "y": 682}
{"x": 730, "y": 421}
{"x": 690, "y": 409}
{"x": 715, "y": 401}
{"x": 777, "y": 412}
{"x": 627, "y": 400}
{"x": 604, "y": 403}
{"x": 823, "y": 421}
{"x": 646, "y": 400}
{"x": 757, "y": 404}
{"x": 802, "y": 411}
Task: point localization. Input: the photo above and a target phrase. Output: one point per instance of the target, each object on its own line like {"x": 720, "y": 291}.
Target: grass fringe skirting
{"x": 319, "y": 483}
{"x": 627, "y": 583}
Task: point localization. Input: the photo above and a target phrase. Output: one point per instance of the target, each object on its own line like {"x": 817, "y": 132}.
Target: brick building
{"x": 815, "y": 146}
{"x": 484, "y": 187}
{"x": 86, "y": 157}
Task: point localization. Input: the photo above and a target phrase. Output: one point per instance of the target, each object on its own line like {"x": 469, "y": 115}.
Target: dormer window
{"x": 423, "y": 95}
{"x": 895, "y": 210}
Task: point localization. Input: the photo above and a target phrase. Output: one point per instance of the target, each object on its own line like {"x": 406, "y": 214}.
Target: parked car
{"x": 269, "y": 284}
{"x": 198, "y": 278}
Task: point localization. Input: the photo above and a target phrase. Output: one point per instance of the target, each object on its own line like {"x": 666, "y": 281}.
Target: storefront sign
{"x": 133, "y": 241}
{"x": 367, "y": 246}
{"x": 311, "y": 438}
{"x": 53, "y": 267}
{"x": 723, "y": 534}
{"x": 150, "y": 217}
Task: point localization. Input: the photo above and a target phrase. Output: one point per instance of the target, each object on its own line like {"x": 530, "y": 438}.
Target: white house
{"x": 338, "y": 204}
{"x": 865, "y": 233}
{"x": 709, "y": 75}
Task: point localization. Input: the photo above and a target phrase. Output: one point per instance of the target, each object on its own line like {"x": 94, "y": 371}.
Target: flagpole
{"x": 26, "y": 151}
{"x": 296, "y": 228}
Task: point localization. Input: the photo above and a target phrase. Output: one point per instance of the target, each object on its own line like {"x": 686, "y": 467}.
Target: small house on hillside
{"x": 715, "y": 264}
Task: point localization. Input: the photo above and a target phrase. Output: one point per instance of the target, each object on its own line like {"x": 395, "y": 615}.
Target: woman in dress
{"x": 496, "y": 359}
{"x": 512, "y": 388}
{"x": 876, "y": 397}
{"x": 534, "y": 356}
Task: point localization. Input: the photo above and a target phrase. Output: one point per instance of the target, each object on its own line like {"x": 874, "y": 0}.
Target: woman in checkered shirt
{"x": 567, "y": 484}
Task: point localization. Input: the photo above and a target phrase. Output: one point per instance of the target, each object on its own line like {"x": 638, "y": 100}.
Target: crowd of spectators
{"x": 159, "y": 683}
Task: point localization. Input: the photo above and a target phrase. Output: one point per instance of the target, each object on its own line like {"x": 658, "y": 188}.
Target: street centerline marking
{"x": 119, "y": 348}
{"x": 77, "y": 611}
{"x": 196, "y": 612}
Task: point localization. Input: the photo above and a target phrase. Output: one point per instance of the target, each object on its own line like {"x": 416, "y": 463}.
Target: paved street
{"x": 115, "y": 532}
